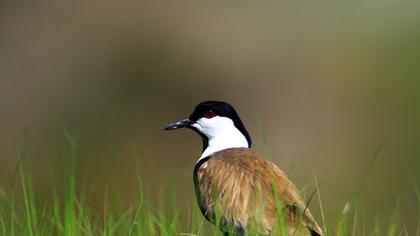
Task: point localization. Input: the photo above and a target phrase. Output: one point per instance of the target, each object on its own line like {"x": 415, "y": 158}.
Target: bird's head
{"x": 215, "y": 122}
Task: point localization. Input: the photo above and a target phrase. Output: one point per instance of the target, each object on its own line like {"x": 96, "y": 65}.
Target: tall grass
{"x": 24, "y": 212}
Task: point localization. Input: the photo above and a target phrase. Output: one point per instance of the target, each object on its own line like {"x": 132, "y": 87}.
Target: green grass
{"x": 67, "y": 209}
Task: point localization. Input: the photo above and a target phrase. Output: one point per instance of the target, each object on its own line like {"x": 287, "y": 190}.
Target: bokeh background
{"x": 320, "y": 85}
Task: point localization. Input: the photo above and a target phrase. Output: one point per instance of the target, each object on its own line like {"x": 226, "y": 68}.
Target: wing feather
{"x": 238, "y": 190}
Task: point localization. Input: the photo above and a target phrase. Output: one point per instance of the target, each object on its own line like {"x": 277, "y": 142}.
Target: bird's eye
{"x": 209, "y": 114}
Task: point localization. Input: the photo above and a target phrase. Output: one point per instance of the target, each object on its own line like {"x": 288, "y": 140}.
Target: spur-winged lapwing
{"x": 236, "y": 188}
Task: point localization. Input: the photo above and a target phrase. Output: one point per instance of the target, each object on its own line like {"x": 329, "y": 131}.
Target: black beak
{"x": 179, "y": 124}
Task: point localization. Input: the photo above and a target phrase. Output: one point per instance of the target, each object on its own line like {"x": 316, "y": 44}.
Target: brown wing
{"x": 239, "y": 190}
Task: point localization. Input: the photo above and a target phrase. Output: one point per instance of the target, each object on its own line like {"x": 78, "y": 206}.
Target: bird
{"x": 236, "y": 188}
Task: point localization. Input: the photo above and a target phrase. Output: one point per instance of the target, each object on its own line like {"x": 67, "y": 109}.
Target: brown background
{"x": 325, "y": 83}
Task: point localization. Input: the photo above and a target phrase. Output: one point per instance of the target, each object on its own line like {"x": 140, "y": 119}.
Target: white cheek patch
{"x": 221, "y": 133}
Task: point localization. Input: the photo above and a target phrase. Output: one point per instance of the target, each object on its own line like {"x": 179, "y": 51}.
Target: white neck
{"x": 221, "y": 133}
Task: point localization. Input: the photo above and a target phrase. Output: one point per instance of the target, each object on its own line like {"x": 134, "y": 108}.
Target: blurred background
{"x": 320, "y": 85}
